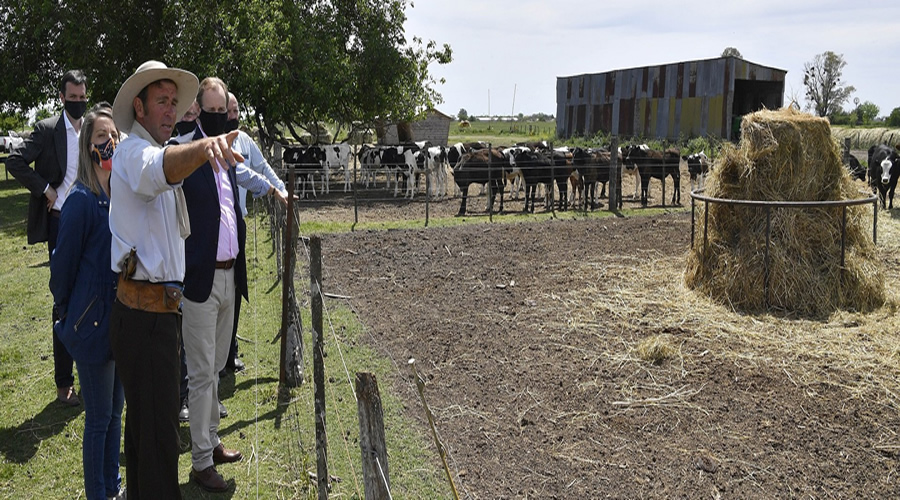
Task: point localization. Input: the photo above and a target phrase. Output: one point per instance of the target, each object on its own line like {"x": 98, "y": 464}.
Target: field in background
{"x": 502, "y": 133}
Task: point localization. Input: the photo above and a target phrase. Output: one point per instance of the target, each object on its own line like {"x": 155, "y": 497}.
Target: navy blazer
{"x": 47, "y": 149}
{"x": 82, "y": 283}
{"x": 202, "y": 197}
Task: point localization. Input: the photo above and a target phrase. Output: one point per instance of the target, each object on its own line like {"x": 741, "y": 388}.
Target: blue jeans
{"x": 104, "y": 399}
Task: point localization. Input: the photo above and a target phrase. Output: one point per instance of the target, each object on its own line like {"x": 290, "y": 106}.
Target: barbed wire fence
{"x": 298, "y": 261}
{"x": 327, "y": 334}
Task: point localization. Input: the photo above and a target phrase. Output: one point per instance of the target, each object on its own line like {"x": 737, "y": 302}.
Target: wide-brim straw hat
{"x": 147, "y": 73}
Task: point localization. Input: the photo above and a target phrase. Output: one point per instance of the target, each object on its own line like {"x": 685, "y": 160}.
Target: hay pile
{"x": 785, "y": 155}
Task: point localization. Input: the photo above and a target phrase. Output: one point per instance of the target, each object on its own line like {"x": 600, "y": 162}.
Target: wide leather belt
{"x": 149, "y": 297}
{"x": 225, "y": 264}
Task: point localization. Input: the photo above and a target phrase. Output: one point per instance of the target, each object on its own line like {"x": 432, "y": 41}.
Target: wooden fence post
{"x": 315, "y": 298}
{"x": 376, "y": 479}
{"x": 286, "y": 283}
{"x": 290, "y": 370}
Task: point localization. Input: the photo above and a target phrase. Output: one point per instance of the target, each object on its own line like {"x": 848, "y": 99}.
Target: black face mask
{"x": 182, "y": 128}
{"x": 231, "y": 125}
{"x": 76, "y": 109}
{"x": 213, "y": 123}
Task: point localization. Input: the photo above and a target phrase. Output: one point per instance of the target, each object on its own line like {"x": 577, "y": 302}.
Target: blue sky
{"x": 506, "y": 46}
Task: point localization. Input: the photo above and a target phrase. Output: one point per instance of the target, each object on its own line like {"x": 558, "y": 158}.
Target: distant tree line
{"x": 464, "y": 115}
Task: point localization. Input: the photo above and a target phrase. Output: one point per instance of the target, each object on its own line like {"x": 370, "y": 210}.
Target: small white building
{"x": 435, "y": 128}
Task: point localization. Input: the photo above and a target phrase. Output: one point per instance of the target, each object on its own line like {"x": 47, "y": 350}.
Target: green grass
{"x": 502, "y": 133}
{"x": 40, "y": 440}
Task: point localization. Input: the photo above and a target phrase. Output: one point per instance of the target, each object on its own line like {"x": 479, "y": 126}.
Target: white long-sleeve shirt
{"x": 254, "y": 160}
{"x": 146, "y": 212}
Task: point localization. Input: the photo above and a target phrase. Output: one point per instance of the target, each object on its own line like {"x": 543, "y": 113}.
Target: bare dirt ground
{"x": 529, "y": 336}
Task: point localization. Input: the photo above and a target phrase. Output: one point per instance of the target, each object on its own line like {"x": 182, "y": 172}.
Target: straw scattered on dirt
{"x": 567, "y": 359}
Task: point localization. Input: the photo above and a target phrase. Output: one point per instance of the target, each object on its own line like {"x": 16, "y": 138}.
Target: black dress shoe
{"x": 184, "y": 415}
{"x": 223, "y": 456}
{"x": 209, "y": 479}
{"x": 223, "y": 412}
{"x": 67, "y": 396}
{"x": 238, "y": 365}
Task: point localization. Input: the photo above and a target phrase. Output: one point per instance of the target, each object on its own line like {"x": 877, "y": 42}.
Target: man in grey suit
{"x": 53, "y": 148}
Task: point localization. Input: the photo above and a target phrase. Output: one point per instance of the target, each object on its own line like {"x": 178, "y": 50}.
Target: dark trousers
{"x": 63, "y": 363}
{"x": 233, "y": 352}
{"x": 145, "y": 348}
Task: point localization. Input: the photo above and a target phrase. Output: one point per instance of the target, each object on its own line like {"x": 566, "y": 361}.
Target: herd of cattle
{"x": 572, "y": 172}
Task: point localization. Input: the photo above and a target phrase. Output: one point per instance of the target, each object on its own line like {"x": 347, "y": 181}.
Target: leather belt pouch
{"x": 149, "y": 297}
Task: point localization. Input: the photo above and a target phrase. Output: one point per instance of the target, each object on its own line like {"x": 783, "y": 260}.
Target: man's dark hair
{"x": 73, "y": 76}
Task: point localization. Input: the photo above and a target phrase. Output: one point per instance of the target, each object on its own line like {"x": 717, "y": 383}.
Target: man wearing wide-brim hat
{"x": 149, "y": 222}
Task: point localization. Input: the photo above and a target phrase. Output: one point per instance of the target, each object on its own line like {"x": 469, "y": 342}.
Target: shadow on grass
{"x": 19, "y": 444}
{"x": 13, "y": 209}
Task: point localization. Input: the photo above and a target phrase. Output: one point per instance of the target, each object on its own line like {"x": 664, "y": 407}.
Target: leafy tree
{"x": 290, "y": 63}
{"x": 894, "y": 118}
{"x": 867, "y": 111}
{"x": 825, "y": 92}
{"x": 11, "y": 121}
{"x": 731, "y": 52}
{"x": 463, "y": 115}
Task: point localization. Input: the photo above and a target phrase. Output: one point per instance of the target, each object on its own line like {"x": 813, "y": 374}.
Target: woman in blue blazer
{"x": 83, "y": 286}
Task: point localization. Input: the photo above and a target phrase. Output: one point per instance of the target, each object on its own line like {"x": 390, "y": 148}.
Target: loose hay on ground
{"x": 785, "y": 155}
{"x": 853, "y": 350}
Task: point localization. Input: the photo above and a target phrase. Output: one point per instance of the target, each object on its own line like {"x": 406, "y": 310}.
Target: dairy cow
{"x": 884, "y": 171}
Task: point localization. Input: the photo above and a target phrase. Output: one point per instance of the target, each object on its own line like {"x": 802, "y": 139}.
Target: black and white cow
{"x": 655, "y": 164}
{"x": 369, "y": 159}
{"x": 593, "y": 165}
{"x": 481, "y": 167}
{"x": 536, "y": 169}
{"x": 337, "y": 157}
{"x": 307, "y": 160}
{"x": 401, "y": 165}
{"x": 436, "y": 171}
{"x": 698, "y": 167}
{"x": 884, "y": 170}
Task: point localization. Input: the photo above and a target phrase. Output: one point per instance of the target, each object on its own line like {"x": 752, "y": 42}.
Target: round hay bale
{"x": 785, "y": 155}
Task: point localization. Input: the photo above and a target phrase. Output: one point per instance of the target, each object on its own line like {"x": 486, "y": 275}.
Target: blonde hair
{"x": 86, "y": 174}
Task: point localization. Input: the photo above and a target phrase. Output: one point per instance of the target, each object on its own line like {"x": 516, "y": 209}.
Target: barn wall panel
{"x": 626, "y": 116}
{"x": 704, "y": 116}
{"x": 690, "y": 98}
{"x": 692, "y": 80}
{"x": 672, "y": 121}
{"x": 662, "y": 117}
{"x": 690, "y": 117}
{"x": 717, "y": 125}
{"x": 561, "y": 107}
{"x": 580, "y": 119}
{"x": 653, "y": 118}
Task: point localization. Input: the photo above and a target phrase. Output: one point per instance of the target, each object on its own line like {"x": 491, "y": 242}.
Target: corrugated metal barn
{"x": 670, "y": 101}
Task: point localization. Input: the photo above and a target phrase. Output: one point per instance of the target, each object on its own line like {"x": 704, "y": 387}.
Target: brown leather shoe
{"x": 209, "y": 479}
{"x": 223, "y": 456}
{"x": 67, "y": 396}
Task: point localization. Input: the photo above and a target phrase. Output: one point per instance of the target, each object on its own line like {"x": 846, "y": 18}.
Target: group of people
{"x": 145, "y": 229}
